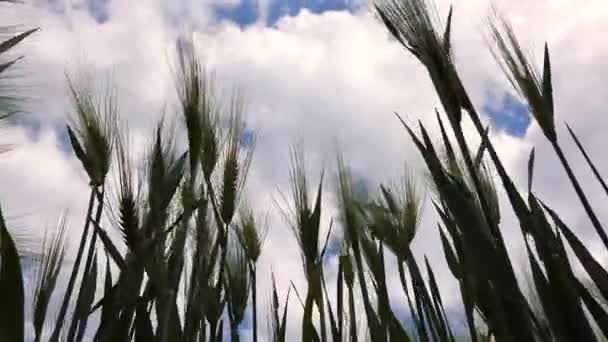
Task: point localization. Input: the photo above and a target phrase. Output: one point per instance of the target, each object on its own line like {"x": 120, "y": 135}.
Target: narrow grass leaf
{"x": 46, "y": 279}
{"x": 11, "y": 288}
{"x": 111, "y": 248}
{"x": 598, "y": 313}
{"x": 13, "y": 41}
{"x": 88, "y": 297}
{"x": 482, "y": 148}
{"x": 589, "y": 161}
{"x": 144, "y": 330}
{"x": 448, "y": 31}
{"x": 8, "y": 64}
{"x": 547, "y": 84}
{"x": 450, "y": 256}
{"x": 446, "y": 141}
{"x": 79, "y": 151}
{"x": 595, "y": 270}
{"x": 530, "y": 170}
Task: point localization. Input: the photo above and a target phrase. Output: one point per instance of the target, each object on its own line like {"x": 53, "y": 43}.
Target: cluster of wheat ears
{"x": 186, "y": 264}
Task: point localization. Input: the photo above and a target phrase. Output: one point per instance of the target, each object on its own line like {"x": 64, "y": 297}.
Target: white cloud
{"x": 331, "y": 80}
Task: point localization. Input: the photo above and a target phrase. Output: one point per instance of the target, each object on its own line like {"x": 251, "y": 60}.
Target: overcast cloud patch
{"x": 97, "y": 9}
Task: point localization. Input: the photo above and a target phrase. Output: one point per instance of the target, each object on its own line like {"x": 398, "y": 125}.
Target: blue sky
{"x": 509, "y": 115}
{"x": 245, "y": 13}
{"x": 249, "y": 11}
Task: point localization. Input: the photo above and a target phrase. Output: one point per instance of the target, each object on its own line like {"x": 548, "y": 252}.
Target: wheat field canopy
{"x": 383, "y": 170}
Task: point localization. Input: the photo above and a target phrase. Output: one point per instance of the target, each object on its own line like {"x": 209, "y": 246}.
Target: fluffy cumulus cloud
{"x": 328, "y": 78}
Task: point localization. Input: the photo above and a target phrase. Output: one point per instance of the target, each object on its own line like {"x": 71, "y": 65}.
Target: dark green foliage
{"x": 237, "y": 283}
{"x": 10, "y": 95}
{"x": 186, "y": 260}
{"x": 277, "y": 321}
{"x": 305, "y": 223}
{"x": 46, "y": 279}
{"x": 11, "y": 288}
{"x": 468, "y": 207}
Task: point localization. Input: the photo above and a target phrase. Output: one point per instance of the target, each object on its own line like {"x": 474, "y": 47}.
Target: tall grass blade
{"x": 581, "y": 195}
{"x": 144, "y": 330}
{"x": 530, "y": 170}
{"x": 237, "y": 283}
{"x": 88, "y": 296}
{"x": 450, "y": 256}
{"x": 11, "y": 288}
{"x": 278, "y": 321}
{"x": 447, "y": 39}
{"x": 5, "y": 66}
{"x": 598, "y": 312}
{"x": 543, "y": 289}
{"x": 445, "y": 330}
{"x": 570, "y": 320}
{"x": 13, "y": 41}
{"x": 526, "y": 80}
{"x": 107, "y": 309}
{"x": 82, "y": 298}
{"x": 46, "y": 279}
{"x": 110, "y": 248}
{"x": 588, "y": 159}
{"x": 72, "y": 280}
{"x": 547, "y": 84}
{"x": 335, "y": 332}
{"x": 595, "y": 270}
